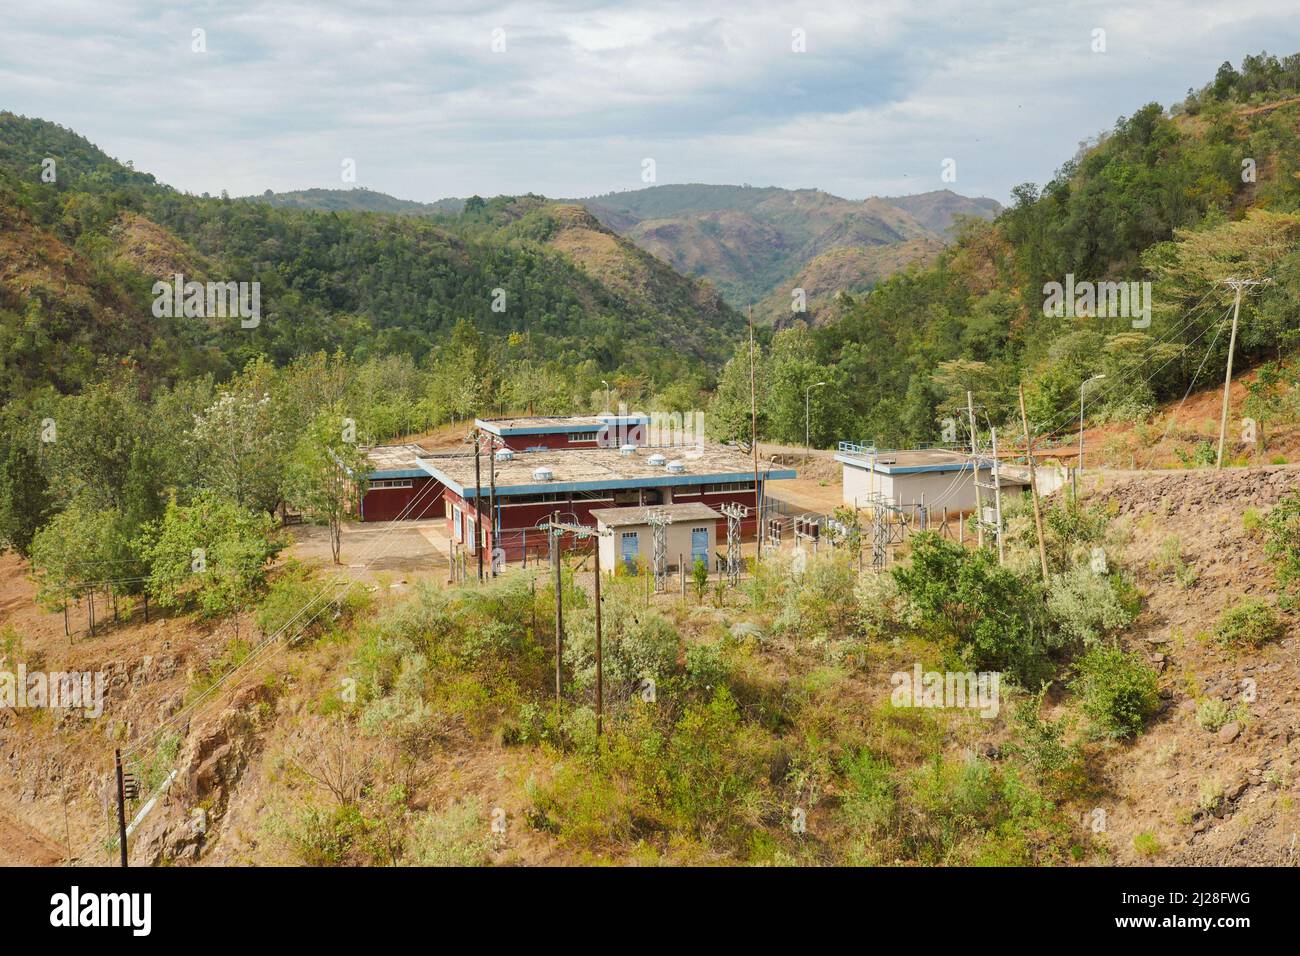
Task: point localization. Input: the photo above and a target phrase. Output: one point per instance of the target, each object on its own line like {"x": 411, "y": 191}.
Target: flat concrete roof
{"x": 397, "y": 461}
{"x": 623, "y": 517}
{"x": 596, "y": 469}
{"x": 556, "y": 424}
{"x": 907, "y": 462}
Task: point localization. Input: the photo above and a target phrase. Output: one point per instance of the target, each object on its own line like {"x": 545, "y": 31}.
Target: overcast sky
{"x": 585, "y": 90}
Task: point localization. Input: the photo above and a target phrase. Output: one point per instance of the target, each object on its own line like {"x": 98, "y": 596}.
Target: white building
{"x": 626, "y": 536}
{"x": 938, "y": 479}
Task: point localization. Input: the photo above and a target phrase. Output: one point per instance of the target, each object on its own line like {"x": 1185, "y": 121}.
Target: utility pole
{"x": 478, "y": 505}
{"x": 1238, "y": 285}
{"x": 559, "y": 609}
{"x": 555, "y": 528}
{"x": 807, "y": 420}
{"x": 1033, "y": 489}
{"x": 753, "y": 437}
{"x": 1078, "y": 471}
{"x": 492, "y": 500}
{"x": 600, "y": 674}
{"x": 121, "y": 807}
{"x": 974, "y": 453}
{"x": 997, "y": 496}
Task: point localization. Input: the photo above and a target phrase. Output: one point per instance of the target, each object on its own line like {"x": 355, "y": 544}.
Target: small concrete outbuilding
{"x": 626, "y": 535}
{"x": 940, "y": 479}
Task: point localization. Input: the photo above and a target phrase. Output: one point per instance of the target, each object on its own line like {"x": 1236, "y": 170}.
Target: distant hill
{"x": 338, "y": 269}
{"x": 753, "y": 241}
{"x": 358, "y": 199}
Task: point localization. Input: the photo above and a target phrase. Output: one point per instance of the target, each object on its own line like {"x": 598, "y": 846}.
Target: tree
{"x": 242, "y": 448}
{"x": 25, "y": 500}
{"x": 327, "y": 474}
{"x": 993, "y": 617}
{"x": 212, "y": 553}
{"x": 84, "y": 547}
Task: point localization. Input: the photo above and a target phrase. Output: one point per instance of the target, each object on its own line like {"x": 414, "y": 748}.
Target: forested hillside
{"x": 366, "y": 283}
{"x": 1182, "y": 198}
{"x": 757, "y": 243}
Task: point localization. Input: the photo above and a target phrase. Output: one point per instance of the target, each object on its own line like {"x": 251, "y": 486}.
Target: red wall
{"x": 555, "y": 440}
{"x": 517, "y": 518}
{"x": 387, "y": 504}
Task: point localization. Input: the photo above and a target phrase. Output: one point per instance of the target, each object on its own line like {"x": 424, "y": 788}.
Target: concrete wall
{"x": 950, "y": 490}
{"x": 679, "y": 544}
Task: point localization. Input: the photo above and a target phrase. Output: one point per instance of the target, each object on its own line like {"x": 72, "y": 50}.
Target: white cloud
{"x": 586, "y": 89}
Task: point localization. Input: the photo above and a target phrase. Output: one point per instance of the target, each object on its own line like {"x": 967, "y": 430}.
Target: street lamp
{"x": 606, "y": 384}
{"x": 1082, "y": 385}
{"x": 807, "y": 441}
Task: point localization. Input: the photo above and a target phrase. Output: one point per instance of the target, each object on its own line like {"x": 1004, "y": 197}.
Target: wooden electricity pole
{"x": 974, "y": 453}
{"x": 1033, "y": 488}
{"x": 600, "y": 674}
{"x": 559, "y": 610}
{"x": 753, "y": 438}
{"x": 121, "y": 807}
{"x": 1238, "y": 285}
{"x": 478, "y": 506}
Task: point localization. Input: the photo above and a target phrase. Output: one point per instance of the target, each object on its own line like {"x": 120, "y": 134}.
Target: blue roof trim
{"x": 883, "y": 469}
{"x": 655, "y": 481}
{"x": 398, "y": 473}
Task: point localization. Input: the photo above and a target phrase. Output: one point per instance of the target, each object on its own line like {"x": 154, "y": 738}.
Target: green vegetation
{"x": 1252, "y": 623}
{"x": 1117, "y": 691}
{"x": 1282, "y": 544}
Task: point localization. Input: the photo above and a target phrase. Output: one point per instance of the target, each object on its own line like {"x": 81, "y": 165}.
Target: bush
{"x": 1086, "y": 606}
{"x": 1118, "y": 691}
{"x": 1250, "y": 622}
{"x": 459, "y": 836}
{"x": 1146, "y": 844}
{"x": 994, "y": 617}
{"x": 1282, "y": 545}
{"x": 1212, "y": 714}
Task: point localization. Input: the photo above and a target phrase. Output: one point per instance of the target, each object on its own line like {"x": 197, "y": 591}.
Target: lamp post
{"x": 1082, "y": 385}
{"x": 606, "y": 384}
{"x": 807, "y": 418}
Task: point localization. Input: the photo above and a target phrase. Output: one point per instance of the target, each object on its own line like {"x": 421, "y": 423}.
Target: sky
{"x": 570, "y": 98}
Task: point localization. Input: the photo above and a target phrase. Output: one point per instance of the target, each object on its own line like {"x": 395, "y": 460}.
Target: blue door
{"x": 631, "y": 550}
{"x": 700, "y": 546}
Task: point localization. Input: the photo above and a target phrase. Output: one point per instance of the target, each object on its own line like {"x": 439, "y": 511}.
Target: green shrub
{"x": 1085, "y": 605}
{"x": 1040, "y": 744}
{"x": 1212, "y": 714}
{"x": 1282, "y": 545}
{"x": 458, "y": 836}
{"x": 994, "y": 618}
{"x": 1146, "y": 844}
{"x": 1251, "y": 622}
{"x": 1118, "y": 691}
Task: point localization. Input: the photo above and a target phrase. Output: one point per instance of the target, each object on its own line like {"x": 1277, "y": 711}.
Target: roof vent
{"x": 657, "y": 459}
{"x": 505, "y": 454}
{"x": 626, "y": 450}
{"x": 543, "y": 474}
{"x": 676, "y": 467}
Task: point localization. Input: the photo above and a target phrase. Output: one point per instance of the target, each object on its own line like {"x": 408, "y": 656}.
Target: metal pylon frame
{"x": 734, "y": 512}
{"x": 659, "y": 522}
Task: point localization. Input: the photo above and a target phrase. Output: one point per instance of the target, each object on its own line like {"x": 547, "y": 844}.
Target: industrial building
{"x": 606, "y": 430}
{"x": 939, "y": 480}
{"x": 515, "y": 490}
{"x": 690, "y": 535}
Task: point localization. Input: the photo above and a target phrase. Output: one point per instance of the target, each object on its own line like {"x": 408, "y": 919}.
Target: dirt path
{"x": 20, "y": 845}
